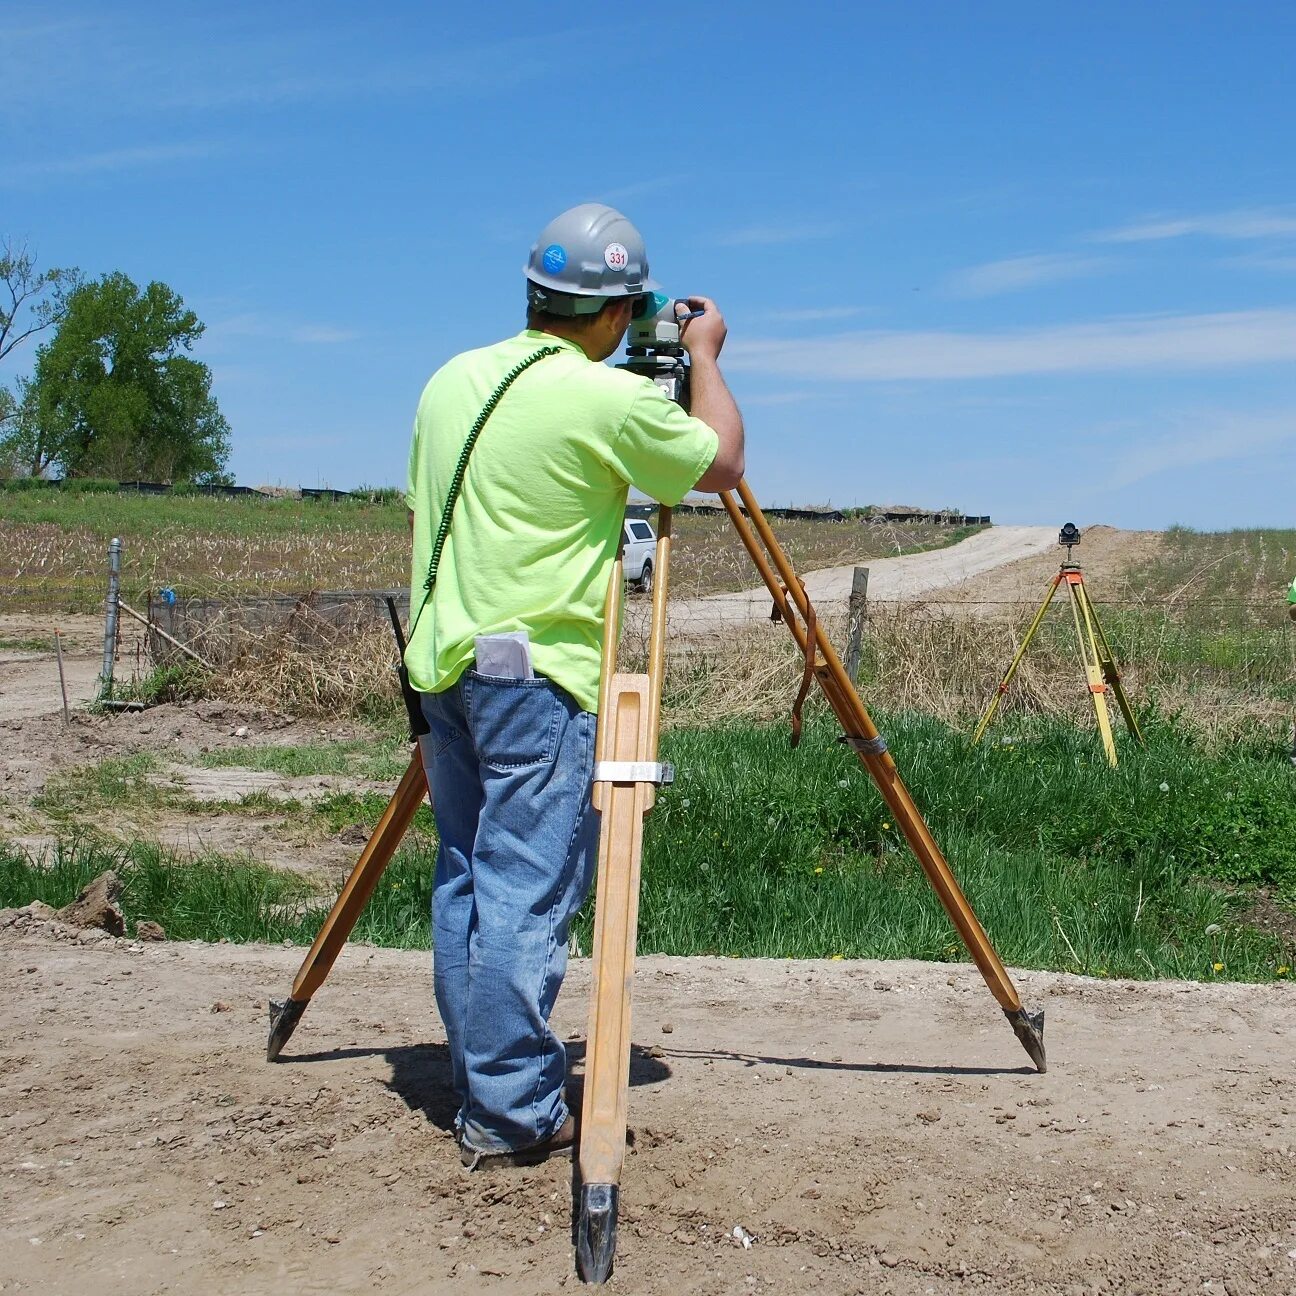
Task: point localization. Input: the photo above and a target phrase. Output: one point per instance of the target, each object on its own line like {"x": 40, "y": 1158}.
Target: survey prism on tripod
{"x": 1096, "y": 658}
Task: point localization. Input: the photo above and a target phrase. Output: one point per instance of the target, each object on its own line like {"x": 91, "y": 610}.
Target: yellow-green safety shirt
{"x": 538, "y": 524}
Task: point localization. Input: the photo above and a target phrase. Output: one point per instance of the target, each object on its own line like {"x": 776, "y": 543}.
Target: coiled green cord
{"x": 456, "y": 483}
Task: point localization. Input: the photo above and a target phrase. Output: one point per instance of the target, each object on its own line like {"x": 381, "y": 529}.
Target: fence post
{"x": 855, "y": 620}
{"x": 110, "y": 617}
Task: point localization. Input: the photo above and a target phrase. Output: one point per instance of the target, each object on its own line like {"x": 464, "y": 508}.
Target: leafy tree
{"x": 114, "y": 395}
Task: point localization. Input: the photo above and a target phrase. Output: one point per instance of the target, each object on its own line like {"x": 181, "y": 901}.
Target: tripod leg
{"x": 359, "y": 886}
{"x": 1089, "y": 659}
{"x": 624, "y": 790}
{"x": 871, "y": 749}
{"x": 993, "y": 706}
{"x": 1110, "y": 672}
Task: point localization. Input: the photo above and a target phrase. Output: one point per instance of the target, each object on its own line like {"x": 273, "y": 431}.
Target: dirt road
{"x": 871, "y": 1125}
{"x": 906, "y": 577}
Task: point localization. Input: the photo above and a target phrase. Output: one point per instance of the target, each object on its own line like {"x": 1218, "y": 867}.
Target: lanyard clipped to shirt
{"x": 456, "y": 484}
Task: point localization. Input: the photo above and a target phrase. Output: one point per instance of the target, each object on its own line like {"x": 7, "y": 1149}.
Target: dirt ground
{"x": 37, "y": 743}
{"x": 872, "y": 1126}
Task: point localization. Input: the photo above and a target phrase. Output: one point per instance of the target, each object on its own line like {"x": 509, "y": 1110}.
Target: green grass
{"x": 1146, "y": 870}
{"x": 359, "y": 758}
{"x": 119, "y": 782}
{"x": 26, "y": 645}
{"x": 758, "y": 851}
{"x": 141, "y": 517}
{"x": 181, "y": 683}
{"x": 78, "y": 799}
{"x": 214, "y": 896}
{"x": 1202, "y": 570}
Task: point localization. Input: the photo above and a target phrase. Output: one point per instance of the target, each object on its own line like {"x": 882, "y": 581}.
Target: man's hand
{"x": 710, "y": 399}
{"x": 704, "y": 336}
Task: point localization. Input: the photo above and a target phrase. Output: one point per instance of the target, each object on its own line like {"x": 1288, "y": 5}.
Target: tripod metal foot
{"x": 284, "y": 1016}
{"x": 596, "y": 1232}
{"x": 1029, "y": 1029}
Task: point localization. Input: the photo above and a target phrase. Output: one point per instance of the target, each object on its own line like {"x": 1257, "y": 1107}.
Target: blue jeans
{"x": 509, "y": 765}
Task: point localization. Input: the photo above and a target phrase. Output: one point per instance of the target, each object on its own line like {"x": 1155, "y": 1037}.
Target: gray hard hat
{"x": 591, "y": 253}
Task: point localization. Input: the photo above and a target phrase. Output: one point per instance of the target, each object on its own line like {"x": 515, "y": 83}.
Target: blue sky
{"x": 1031, "y": 260}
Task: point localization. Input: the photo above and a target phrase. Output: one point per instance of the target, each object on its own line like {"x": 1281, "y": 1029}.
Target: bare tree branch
{"x": 42, "y": 292}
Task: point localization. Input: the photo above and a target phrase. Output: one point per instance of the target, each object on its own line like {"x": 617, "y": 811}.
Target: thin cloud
{"x": 639, "y": 187}
{"x": 324, "y": 334}
{"x": 1214, "y": 438}
{"x": 207, "y": 64}
{"x": 785, "y": 398}
{"x": 252, "y": 325}
{"x": 1139, "y": 342}
{"x": 1254, "y": 223}
{"x": 769, "y": 235}
{"x": 1016, "y": 273}
{"x": 812, "y": 314}
{"x": 1283, "y": 262}
{"x": 109, "y": 161}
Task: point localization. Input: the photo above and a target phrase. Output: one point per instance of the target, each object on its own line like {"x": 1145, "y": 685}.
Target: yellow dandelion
{"x": 835, "y": 957}
{"x": 886, "y": 827}
{"x": 1218, "y": 967}
{"x": 1282, "y": 971}
{"x": 819, "y": 869}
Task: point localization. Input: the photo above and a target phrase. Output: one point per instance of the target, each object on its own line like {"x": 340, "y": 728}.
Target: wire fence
{"x": 1223, "y": 663}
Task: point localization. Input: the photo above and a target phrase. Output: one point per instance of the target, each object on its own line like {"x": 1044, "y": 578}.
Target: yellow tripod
{"x": 1095, "y": 653}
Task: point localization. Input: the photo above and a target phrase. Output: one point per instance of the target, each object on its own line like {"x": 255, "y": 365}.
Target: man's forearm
{"x": 711, "y": 401}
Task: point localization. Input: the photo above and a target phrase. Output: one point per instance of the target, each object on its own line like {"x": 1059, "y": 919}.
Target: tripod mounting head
{"x": 653, "y": 347}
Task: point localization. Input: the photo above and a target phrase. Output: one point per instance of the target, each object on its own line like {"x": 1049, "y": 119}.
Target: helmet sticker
{"x": 554, "y": 258}
{"x": 615, "y": 256}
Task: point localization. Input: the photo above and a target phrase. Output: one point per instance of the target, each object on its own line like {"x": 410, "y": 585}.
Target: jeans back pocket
{"x": 514, "y": 722}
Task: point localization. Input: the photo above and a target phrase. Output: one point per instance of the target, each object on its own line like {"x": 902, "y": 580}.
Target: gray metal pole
{"x": 110, "y": 617}
{"x": 58, "y": 648}
{"x": 855, "y": 621}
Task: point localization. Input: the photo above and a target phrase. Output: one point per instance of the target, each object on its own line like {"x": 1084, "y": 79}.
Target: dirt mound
{"x": 96, "y": 906}
{"x": 1105, "y": 554}
{"x": 870, "y": 1125}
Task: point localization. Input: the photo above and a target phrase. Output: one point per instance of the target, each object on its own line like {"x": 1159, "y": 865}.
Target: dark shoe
{"x": 559, "y": 1143}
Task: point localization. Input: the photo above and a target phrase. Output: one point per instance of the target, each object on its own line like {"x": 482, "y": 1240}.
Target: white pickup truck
{"x": 639, "y": 552}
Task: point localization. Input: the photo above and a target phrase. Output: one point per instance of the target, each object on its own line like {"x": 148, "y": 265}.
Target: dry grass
{"x": 315, "y": 667}
{"x": 927, "y": 658}
{"x": 53, "y": 549}
{"x": 931, "y": 659}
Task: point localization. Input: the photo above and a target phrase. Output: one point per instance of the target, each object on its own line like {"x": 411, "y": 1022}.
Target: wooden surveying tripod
{"x": 1095, "y": 652}
{"x": 627, "y": 776}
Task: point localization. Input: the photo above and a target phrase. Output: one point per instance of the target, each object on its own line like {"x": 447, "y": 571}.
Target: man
{"x": 505, "y": 646}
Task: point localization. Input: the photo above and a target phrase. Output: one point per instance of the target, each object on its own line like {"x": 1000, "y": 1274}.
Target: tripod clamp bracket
{"x": 865, "y": 746}
{"x": 660, "y": 773}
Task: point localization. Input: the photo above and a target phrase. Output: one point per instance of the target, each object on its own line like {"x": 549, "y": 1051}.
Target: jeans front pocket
{"x": 514, "y": 722}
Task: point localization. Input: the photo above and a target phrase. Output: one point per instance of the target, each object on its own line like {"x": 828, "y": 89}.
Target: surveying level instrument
{"x": 627, "y": 778}
{"x": 653, "y": 346}
{"x": 1095, "y": 653}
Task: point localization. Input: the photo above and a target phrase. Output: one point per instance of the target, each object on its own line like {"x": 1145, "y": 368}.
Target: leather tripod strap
{"x": 786, "y": 613}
